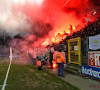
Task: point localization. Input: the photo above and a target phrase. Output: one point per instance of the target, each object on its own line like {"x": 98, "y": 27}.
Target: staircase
{"x": 73, "y": 68}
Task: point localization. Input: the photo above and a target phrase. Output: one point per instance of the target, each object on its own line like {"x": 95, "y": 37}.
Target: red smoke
{"x": 53, "y": 17}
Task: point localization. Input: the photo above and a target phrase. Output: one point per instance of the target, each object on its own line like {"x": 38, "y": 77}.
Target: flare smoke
{"x": 42, "y": 19}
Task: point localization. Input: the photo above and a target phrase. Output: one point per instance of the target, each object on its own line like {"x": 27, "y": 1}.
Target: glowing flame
{"x": 46, "y": 42}
{"x": 73, "y": 27}
{"x": 54, "y": 65}
{"x": 59, "y": 36}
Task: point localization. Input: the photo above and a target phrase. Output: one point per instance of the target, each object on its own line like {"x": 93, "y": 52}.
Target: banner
{"x": 94, "y": 42}
{"x": 94, "y": 59}
{"x": 91, "y": 71}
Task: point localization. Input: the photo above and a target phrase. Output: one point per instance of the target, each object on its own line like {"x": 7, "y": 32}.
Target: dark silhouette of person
{"x": 51, "y": 58}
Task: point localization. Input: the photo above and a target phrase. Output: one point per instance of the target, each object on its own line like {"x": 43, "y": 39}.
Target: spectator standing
{"x": 59, "y": 58}
{"x": 51, "y": 58}
{"x": 39, "y": 64}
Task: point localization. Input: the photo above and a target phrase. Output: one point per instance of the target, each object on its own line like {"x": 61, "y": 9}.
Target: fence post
{"x": 87, "y": 48}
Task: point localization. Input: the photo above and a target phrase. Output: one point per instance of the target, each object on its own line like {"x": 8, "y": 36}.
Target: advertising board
{"x": 94, "y": 58}
{"x": 91, "y": 71}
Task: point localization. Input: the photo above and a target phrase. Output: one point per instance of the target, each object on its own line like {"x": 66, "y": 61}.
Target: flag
{"x": 94, "y": 42}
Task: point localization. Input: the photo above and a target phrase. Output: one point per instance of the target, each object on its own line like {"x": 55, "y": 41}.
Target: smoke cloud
{"x": 39, "y": 21}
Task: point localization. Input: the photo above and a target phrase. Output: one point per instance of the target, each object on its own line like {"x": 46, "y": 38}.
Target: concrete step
{"x": 71, "y": 71}
{"x": 73, "y": 68}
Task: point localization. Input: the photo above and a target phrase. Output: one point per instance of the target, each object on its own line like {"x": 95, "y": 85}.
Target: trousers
{"x": 60, "y": 69}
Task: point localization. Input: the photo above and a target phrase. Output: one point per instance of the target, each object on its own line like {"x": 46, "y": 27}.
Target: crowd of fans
{"x": 91, "y": 29}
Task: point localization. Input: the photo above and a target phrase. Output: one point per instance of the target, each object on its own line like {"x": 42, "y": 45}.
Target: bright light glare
{"x": 54, "y": 65}
{"x": 20, "y": 1}
{"x": 39, "y": 2}
{"x": 36, "y": 1}
{"x": 74, "y": 27}
{"x": 16, "y": 1}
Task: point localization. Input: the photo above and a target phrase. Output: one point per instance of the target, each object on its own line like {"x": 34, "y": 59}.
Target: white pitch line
{"x": 4, "y": 84}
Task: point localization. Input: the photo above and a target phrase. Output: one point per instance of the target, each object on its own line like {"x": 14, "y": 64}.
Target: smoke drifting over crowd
{"x": 41, "y": 20}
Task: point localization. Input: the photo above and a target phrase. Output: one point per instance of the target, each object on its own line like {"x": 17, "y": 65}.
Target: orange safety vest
{"x": 59, "y": 58}
{"x": 39, "y": 63}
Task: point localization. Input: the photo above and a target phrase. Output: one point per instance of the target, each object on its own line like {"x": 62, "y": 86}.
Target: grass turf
{"x": 3, "y": 70}
{"x": 27, "y": 77}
